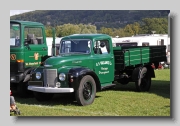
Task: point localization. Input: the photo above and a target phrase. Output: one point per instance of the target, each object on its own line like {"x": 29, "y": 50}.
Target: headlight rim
{"x": 40, "y": 75}
{"x": 62, "y": 76}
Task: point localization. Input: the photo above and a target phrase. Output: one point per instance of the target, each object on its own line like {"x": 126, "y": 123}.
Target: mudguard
{"x": 27, "y": 74}
{"x": 136, "y": 72}
{"x": 78, "y": 73}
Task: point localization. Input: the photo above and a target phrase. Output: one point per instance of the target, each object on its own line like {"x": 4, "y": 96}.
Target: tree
{"x": 119, "y": 32}
{"x": 160, "y": 25}
{"x": 132, "y": 29}
{"x": 87, "y": 28}
{"x": 128, "y": 30}
{"x": 108, "y": 31}
{"x": 136, "y": 28}
{"x": 68, "y": 29}
{"x": 48, "y": 31}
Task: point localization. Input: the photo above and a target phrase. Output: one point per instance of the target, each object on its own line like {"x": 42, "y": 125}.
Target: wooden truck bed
{"x": 136, "y": 55}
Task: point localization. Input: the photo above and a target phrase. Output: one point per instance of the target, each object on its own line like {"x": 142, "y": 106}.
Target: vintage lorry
{"x": 87, "y": 63}
{"x": 28, "y": 50}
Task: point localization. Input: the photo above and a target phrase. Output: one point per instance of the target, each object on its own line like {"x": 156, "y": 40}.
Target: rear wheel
{"x": 43, "y": 96}
{"x": 87, "y": 91}
{"x": 144, "y": 81}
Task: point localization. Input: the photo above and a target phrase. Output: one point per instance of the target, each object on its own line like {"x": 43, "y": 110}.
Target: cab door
{"x": 104, "y": 61}
{"x": 35, "y": 46}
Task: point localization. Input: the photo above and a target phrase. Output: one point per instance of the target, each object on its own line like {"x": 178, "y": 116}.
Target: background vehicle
{"x": 28, "y": 50}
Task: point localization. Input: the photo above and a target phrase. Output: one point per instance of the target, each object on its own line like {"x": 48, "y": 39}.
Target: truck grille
{"x": 50, "y": 77}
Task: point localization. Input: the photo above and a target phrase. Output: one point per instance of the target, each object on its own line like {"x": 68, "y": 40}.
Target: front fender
{"x": 76, "y": 74}
{"x": 27, "y": 74}
{"x": 31, "y": 74}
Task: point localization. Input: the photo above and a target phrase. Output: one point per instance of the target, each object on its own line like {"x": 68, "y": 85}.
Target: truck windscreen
{"x": 75, "y": 46}
{"x": 14, "y": 35}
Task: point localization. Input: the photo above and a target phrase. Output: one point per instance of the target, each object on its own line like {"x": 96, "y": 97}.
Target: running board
{"x": 108, "y": 86}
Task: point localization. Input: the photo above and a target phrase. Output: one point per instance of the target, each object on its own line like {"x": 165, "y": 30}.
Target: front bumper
{"x": 50, "y": 89}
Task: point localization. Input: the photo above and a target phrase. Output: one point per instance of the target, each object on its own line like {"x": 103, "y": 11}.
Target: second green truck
{"x": 87, "y": 63}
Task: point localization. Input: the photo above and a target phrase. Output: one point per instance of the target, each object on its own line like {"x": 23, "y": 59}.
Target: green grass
{"x": 123, "y": 100}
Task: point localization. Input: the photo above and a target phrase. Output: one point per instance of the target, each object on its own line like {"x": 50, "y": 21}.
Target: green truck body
{"x": 28, "y": 50}
{"x": 87, "y": 63}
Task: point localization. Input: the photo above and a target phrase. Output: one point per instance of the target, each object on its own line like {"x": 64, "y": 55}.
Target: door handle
{"x": 44, "y": 48}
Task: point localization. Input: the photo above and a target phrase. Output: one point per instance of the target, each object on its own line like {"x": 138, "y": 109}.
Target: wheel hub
{"x": 87, "y": 91}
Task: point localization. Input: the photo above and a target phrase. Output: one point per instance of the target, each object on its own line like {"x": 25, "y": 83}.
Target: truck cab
{"x": 86, "y": 55}
{"x": 27, "y": 50}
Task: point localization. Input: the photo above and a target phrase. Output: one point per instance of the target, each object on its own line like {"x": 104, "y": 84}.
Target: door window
{"x": 33, "y": 35}
{"x": 101, "y": 47}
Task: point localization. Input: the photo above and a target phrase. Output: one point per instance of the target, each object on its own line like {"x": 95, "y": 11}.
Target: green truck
{"x": 88, "y": 63}
{"x": 28, "y": 50}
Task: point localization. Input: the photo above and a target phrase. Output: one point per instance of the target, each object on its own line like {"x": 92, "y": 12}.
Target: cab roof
{"x": 25, "y": 22}
{"x": 86, "y": 36}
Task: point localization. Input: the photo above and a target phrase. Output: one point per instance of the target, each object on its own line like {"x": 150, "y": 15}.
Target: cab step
{"x": 108, "y": 86}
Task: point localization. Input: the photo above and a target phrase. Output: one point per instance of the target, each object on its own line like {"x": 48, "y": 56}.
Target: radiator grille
{"x": 50, "y": 77}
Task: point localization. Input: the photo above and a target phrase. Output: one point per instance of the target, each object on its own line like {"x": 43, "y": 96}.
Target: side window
{"x": 33, "y": 35}
{"x": 15, "y": 35}
{"x": 65, "y": 46}
{"x": 57, "y": 49}
{"x": 101, "y": 47}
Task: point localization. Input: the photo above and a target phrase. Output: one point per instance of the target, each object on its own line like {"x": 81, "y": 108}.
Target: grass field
{"x": 123, "y": 100}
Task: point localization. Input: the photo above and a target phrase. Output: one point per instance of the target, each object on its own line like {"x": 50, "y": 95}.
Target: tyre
{"x": 144, "y": 82}
{"x": 86, "y": 92}
{"x": 43, "y": 96}
{"x": 22, "y": 90}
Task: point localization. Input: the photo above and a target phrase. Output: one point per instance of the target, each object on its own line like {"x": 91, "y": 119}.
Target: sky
{"x": 15, "y": 12}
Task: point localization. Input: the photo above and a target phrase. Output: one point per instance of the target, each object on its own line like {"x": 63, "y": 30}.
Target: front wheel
{"x": 86, "y": 92}
{"x": 43, "y": 96}
{"x": 22, "y": 90}
{"x": 144, "y": 81}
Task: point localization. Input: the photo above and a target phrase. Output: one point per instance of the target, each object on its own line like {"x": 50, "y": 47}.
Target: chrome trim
{"x": 50, "y": 77}
{"x": 48, "y": 65}
{"x": 50, "y": 89}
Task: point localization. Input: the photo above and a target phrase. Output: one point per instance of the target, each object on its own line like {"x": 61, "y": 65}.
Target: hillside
{"x": 105, "y": 18}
